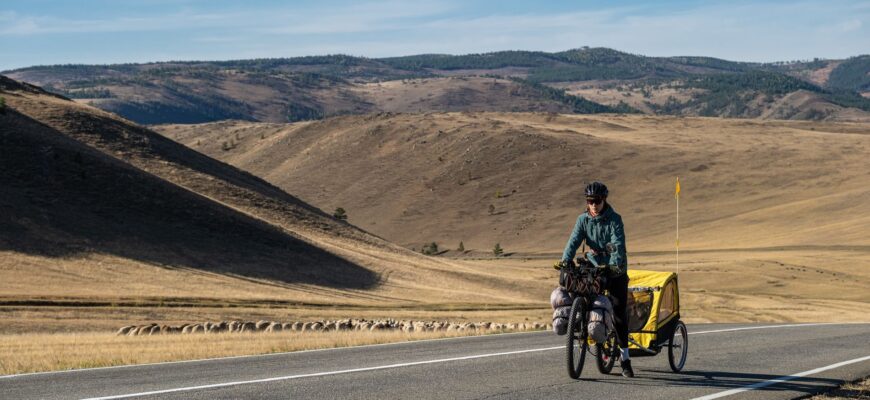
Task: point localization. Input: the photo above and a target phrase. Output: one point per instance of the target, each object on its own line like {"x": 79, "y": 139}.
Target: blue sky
{"x": 38, "y": 32}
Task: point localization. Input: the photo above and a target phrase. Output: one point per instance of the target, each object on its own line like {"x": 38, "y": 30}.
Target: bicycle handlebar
{"x": 559, "y": 266}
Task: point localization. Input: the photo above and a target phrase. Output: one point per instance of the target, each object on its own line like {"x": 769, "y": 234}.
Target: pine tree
{"x": 461, "y": 246}
{"x": 497, "y": 250}
{"x": 340, "y": 214}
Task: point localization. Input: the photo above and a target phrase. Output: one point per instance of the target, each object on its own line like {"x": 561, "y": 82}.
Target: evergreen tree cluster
{"x": 851, "y": 75}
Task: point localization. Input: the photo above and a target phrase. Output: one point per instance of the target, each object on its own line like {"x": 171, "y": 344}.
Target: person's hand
{"x": 615, "y": 270}
{"x": 563, "y": 264}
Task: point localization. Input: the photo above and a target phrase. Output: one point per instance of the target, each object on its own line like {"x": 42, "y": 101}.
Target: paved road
{"x": 775, "y": 362}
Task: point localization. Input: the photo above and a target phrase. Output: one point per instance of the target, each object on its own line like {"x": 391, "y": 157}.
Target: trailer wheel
{"x": 678, "y": 347}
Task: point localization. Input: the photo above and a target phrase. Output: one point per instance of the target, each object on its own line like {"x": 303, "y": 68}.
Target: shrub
{"x": 340, "y": 214}
{"x": 461, "y": 246}
{"x": 430, "y": 249}
{"x": 497, "y": 250}
{"x": 491, "y": 209}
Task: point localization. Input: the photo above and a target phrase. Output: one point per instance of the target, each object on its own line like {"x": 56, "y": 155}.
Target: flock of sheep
{"x": 325, "y": 326}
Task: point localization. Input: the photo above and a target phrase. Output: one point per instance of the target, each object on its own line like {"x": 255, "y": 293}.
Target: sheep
{"x": 145, "y": 330}
{"x": 125, "y": 330}
{"x": 248, "y": 327}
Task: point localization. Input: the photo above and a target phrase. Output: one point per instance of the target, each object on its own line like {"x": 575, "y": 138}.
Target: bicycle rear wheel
{"x": 577, "y": 338}
{"x": 606, "y": 354}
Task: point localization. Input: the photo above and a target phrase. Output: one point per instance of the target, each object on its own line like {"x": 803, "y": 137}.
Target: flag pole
{"x": 677, "y": 195}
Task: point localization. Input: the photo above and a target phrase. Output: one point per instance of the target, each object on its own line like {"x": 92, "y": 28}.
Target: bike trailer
{"x": 653, "y": 310}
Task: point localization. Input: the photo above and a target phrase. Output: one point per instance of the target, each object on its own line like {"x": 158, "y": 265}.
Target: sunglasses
{"x": 596, "y": 200}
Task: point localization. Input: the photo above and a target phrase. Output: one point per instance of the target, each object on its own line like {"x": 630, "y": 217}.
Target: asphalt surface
{"x": 800, "y": 358}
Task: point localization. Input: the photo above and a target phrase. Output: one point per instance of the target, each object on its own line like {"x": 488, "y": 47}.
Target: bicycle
{"x": 586, "y": 282}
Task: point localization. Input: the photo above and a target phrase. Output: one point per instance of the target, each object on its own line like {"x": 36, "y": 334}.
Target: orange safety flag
{"x": 677, "y": 192}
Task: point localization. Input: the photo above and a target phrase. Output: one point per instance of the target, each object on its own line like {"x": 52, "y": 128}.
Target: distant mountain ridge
{"x": 312, "y": 87}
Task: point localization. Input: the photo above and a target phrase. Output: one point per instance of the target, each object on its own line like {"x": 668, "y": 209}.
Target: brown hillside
{"x": 417, "y": 178}
{"x": 190, "y": 99}
{"x": 461, "y": 93}
{"x": 797, "y": 105}
{"x": 96, "y": 207}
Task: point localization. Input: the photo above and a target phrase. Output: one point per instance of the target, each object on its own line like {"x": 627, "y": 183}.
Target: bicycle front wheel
{"x": 577, "y": 338}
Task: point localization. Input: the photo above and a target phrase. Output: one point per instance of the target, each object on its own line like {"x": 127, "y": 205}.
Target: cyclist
{"x": 602, "y": 230}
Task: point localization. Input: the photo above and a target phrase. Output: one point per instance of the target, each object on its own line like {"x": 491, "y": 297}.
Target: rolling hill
{"x": 106, "y": 222}
{"x": 582, "y": 81}
{"x": 98, "y": 209}
{"x": 418, "y": 178}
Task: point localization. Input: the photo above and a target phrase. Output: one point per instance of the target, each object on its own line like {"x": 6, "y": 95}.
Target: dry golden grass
{"x": 608, "y": 92}
{"x": 52, "y": 352}
{"x": 431, "y": 177}
{"x": 444, "y": 94}
{"x": 774, "y": 214}
{"x": 859, "y": 389}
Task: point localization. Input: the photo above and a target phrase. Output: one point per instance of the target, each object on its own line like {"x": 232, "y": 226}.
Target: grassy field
{"x": 50, "y": 352}
{"x": 779, "y": 285}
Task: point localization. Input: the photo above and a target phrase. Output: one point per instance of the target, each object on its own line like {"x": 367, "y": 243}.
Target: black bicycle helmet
{"x": 596, "y": 189}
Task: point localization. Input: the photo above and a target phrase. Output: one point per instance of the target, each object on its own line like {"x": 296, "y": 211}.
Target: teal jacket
{"x": 597, "y": 232}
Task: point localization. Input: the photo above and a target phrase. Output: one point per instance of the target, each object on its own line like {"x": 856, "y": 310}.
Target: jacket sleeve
{"x": 577, "y": 237}
{"x": 617, "y": 238}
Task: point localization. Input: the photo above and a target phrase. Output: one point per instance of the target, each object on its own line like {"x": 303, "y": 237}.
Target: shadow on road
{"x": 723, "y": 380}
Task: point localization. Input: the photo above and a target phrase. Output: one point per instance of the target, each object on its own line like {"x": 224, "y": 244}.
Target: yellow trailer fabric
{"x": 667, "y": 288}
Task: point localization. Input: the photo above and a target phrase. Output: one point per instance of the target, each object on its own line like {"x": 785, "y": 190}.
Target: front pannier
{"x": 561, "y": 302}
{"x": 600, "y": 319}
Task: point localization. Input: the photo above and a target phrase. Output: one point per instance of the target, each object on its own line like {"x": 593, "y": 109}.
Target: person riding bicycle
{"x": 602, "y": 230}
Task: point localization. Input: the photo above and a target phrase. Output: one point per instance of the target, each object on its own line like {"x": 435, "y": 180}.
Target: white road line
{"x": 764, "y": 327}
{"x": 345, "y": 371}
{"x": 781, "y": 379}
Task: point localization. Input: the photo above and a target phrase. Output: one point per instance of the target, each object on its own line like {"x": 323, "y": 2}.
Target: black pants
{"x": 618, "y": 287}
